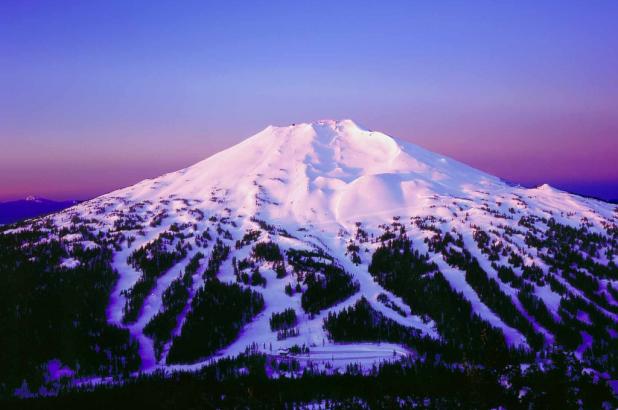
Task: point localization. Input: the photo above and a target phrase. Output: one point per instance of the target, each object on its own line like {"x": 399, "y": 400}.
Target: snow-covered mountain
{"x": 323, "y": 172}
{"x": 335, "y": 233}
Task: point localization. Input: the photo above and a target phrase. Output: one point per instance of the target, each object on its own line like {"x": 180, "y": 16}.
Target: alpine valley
{"x": 318, "y": 264}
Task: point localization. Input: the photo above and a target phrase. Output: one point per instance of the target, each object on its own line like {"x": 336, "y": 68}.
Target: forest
{"x": 243, "y": 382}
{"x": 218, "y": 312}
{"x": 52, "y": 312}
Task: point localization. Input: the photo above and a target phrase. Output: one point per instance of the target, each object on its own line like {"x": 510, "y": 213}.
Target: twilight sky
{"x": 97, "y": 95}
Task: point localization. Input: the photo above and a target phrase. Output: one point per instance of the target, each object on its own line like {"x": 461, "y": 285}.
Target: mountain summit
{"x": 325, "y": 242}
{"x": 326, "y": 171}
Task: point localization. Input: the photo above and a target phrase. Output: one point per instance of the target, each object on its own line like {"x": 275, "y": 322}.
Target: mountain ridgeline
{"x": 320, "y": 248}
{"x": 15, "y": 211}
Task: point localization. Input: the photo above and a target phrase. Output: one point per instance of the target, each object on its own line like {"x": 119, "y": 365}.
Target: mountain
{"x": 13, "y": 211}
{"x": 324, "y": 243}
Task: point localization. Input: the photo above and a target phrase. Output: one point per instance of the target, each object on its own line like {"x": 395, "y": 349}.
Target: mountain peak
{"x": 329, "y": 122}
{"x": 342, "y": 123}
{"x": 336, "y": 125}
{"x": 333, "y": 165}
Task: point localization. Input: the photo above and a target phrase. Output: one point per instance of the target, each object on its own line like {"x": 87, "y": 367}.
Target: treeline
{"x": 569, "y": 338}
{"x": 270, "y": 252}
{"x": 362, "y": 323}
{"x": 411, "y": 276}
{"x": 153, "y": 260}
{"x": 489, "y": 292}
{"x": 583, "y": 316}
{"x": 283, "y": 320}
{"x": 219, "y": 254}
{"x": 564, "y": 246}
{"x": 330, "y": 287}
{"x": 326, "y": 282}
{"x": 571, "y": 254}
{"x": 255, "y": 279}
{"x": 218, "y": 313}
{"x": 50, "y": 312}
{"x": 267, "y": 251}
{"x": 243, "y": 382}
{"x": 173, "y": 301}
{"x": 248, "y": 238}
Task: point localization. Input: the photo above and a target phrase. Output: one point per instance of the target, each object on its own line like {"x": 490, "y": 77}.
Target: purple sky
{"x": 99, "y": 95}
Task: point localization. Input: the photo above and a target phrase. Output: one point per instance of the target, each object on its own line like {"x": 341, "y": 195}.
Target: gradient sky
{"x": 97, "y": 95}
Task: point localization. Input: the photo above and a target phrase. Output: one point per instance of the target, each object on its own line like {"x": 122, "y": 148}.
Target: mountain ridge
{"x": 30, "y": 207}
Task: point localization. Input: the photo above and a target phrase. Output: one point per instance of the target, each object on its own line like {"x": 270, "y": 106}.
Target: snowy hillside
{"x": 333, "y": 244}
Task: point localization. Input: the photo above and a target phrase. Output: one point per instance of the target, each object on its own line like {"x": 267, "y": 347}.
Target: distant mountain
{"x": 14, "y": 211}
{"x": 320, "y": 247}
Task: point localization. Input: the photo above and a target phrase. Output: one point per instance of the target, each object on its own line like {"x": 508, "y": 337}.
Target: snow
{"x": 549, "y": 297}
{"x": 87, "y": 245}
{"x": 72, "y": 237}
{"x": 333, "y": 167}
{"x": 587, "y": 343}
{"x": 323, "y": 177}
{"x": 584, "y": 317}
{"x": 69, "y": 263}
{"x": 56, "y": 370}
